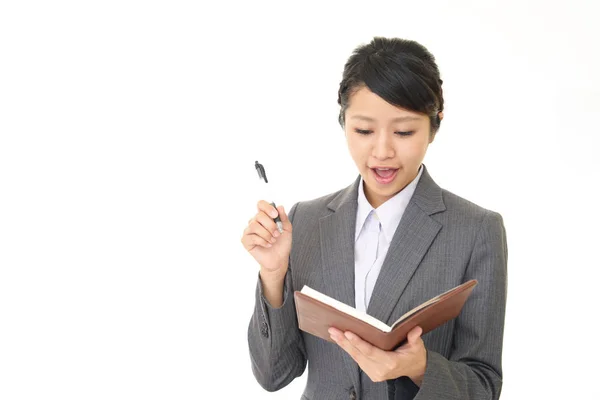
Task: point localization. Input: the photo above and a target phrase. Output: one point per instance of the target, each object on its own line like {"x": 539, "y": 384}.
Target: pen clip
{"x": 261, "y": 171}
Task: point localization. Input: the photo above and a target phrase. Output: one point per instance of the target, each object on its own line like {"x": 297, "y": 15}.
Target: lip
{"x": 384, "y": 181}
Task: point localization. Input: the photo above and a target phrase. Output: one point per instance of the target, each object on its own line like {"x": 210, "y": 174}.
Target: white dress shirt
{"x": 374, "y": 232}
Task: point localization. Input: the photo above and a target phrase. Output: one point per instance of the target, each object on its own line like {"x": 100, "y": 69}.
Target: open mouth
{"x": 384, "y": 175}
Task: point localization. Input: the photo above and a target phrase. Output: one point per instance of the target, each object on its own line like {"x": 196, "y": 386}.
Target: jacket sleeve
{"x": 473, "y": 370}
{"x": 276, "y": 346}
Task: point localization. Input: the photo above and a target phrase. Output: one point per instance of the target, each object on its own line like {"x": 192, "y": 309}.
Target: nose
{"x": 383, "y": 147}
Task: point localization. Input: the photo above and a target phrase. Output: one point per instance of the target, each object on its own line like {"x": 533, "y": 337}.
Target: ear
{"x": 432, "y": 137}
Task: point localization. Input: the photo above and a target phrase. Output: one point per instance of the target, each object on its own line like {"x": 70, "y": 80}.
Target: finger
{"x": 335, "y": 332}
{"x": 251, "y": 241}
{"x": 267, "y": 208}
{"x": 256, "y": 228}
{"x": 287, "y": 224}
{"x": 345, "y": 344}
{"x": 414, "y": 335}
{"x": 351, "y": 350}
{"x": 268, "y": 223}
{"x": 412, "y": 339}
{"x": 366, "y": 348}
{"x": 379, "y": 362}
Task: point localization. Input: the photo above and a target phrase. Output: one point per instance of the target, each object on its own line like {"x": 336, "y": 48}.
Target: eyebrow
{"x": 398, "y": 119}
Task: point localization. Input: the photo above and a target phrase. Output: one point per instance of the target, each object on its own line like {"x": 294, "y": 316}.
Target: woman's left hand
{"x": 409, "y": 359}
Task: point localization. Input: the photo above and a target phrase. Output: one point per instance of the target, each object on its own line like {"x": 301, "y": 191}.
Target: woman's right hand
{"x": 263, "y": 241}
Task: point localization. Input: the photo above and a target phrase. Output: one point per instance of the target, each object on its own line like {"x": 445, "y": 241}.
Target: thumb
{"x": 287, "y": 225}
{"x": 414, "y": 335}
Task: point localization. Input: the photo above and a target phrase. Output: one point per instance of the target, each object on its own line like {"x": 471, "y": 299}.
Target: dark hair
{"x": 402, "y": 72}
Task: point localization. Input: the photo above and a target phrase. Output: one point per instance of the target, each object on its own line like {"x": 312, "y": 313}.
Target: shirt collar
{"x": 389, "y": 213}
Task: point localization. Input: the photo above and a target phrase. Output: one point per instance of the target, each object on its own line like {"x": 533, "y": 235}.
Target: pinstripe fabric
{"x": 441, "y": 241}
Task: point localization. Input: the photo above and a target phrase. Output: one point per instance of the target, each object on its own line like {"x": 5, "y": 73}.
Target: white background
{"x": 128, "y": 133}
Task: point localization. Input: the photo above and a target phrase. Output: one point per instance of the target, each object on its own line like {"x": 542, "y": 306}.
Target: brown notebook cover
{"x": 316, "y": 317}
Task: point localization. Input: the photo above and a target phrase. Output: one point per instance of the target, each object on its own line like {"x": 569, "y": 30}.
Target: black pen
{"x": 263, "y": 175}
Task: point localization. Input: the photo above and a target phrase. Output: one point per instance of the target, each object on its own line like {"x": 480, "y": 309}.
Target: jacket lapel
{"x": 337, "y": 246}
{"x": 337, "y": 254}
{"x": 413, "y": 237}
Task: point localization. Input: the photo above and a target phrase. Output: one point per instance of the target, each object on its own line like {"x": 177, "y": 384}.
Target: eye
{"x": 367, "y": 131}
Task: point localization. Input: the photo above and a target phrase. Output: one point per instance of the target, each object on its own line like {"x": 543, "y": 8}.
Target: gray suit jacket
{"x": 442, "y": 240}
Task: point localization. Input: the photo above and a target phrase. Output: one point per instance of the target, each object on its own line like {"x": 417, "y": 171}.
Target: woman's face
{"x": 386, "y": 142}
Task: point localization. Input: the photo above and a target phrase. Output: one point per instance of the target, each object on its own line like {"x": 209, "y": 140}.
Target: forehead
{"x": 364, "y": 103}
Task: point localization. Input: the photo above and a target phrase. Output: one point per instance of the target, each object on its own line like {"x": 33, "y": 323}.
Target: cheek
{"x": 356, "y": 148}
{"x": 414, "y": 149}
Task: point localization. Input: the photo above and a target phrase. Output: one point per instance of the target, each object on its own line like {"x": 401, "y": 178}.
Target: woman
{"x": 388, "y": 242}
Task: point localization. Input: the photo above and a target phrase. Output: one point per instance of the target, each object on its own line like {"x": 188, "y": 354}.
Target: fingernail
{"x": 269, "y": 245}
{"x": 273, "y": 213}
{"x": 276, "y": 233}
{"x": 348, "y": 335}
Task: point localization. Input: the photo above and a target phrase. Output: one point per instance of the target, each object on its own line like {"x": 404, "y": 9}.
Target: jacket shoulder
{"x": 316, "y": 207}
{"x": 461, "y": 208}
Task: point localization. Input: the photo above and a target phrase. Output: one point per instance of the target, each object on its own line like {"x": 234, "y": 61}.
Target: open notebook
{"x": 318, "y": 312}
